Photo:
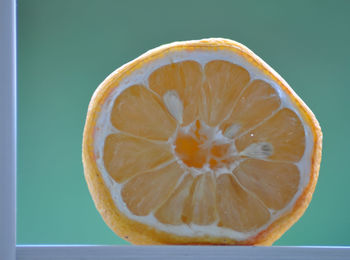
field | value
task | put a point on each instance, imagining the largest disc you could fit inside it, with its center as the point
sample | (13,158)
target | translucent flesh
(186,79)
(125,156)
(137,106)
(146,191)
(274,183)
(203,204)
(172,211)
(237,208)
(224,82)
(257,101)
(221,95)
(284,131)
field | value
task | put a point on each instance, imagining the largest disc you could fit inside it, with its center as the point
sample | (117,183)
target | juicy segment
(140,112)
(223,84)
(238,209)
(226,157)
(173,211)
(258,101)
(283,131)
(186,79)
(274,183)
(146,191)
(125,156)
(203,205)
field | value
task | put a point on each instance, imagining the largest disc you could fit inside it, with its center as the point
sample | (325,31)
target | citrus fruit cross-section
(200,142)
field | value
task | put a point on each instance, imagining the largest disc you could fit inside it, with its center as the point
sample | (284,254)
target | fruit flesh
(240,198)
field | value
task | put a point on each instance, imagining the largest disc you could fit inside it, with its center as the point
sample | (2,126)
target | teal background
(66,48)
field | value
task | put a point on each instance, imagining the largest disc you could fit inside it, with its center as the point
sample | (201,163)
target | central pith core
(205,147)
(201,146)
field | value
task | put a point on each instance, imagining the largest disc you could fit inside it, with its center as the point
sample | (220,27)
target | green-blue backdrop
(66,48)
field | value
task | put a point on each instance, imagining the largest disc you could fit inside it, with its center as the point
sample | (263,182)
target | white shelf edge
(60,252)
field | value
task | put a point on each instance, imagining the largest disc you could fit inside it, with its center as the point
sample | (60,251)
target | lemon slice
(200,142)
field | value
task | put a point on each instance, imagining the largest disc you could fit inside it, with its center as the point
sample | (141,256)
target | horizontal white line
(53,252)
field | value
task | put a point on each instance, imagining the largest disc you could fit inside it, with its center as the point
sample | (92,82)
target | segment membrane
(257,102)
(237,208)
(224,82)
(140,112)
(203,200)
(125,156)
(284,131)
(171,212)
(147,191)
(186,79)
(273,182)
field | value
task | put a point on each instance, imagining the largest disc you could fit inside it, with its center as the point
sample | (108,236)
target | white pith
(174,105)
(140,76)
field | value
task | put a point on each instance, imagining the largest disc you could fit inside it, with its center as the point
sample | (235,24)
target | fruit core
(203,147)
